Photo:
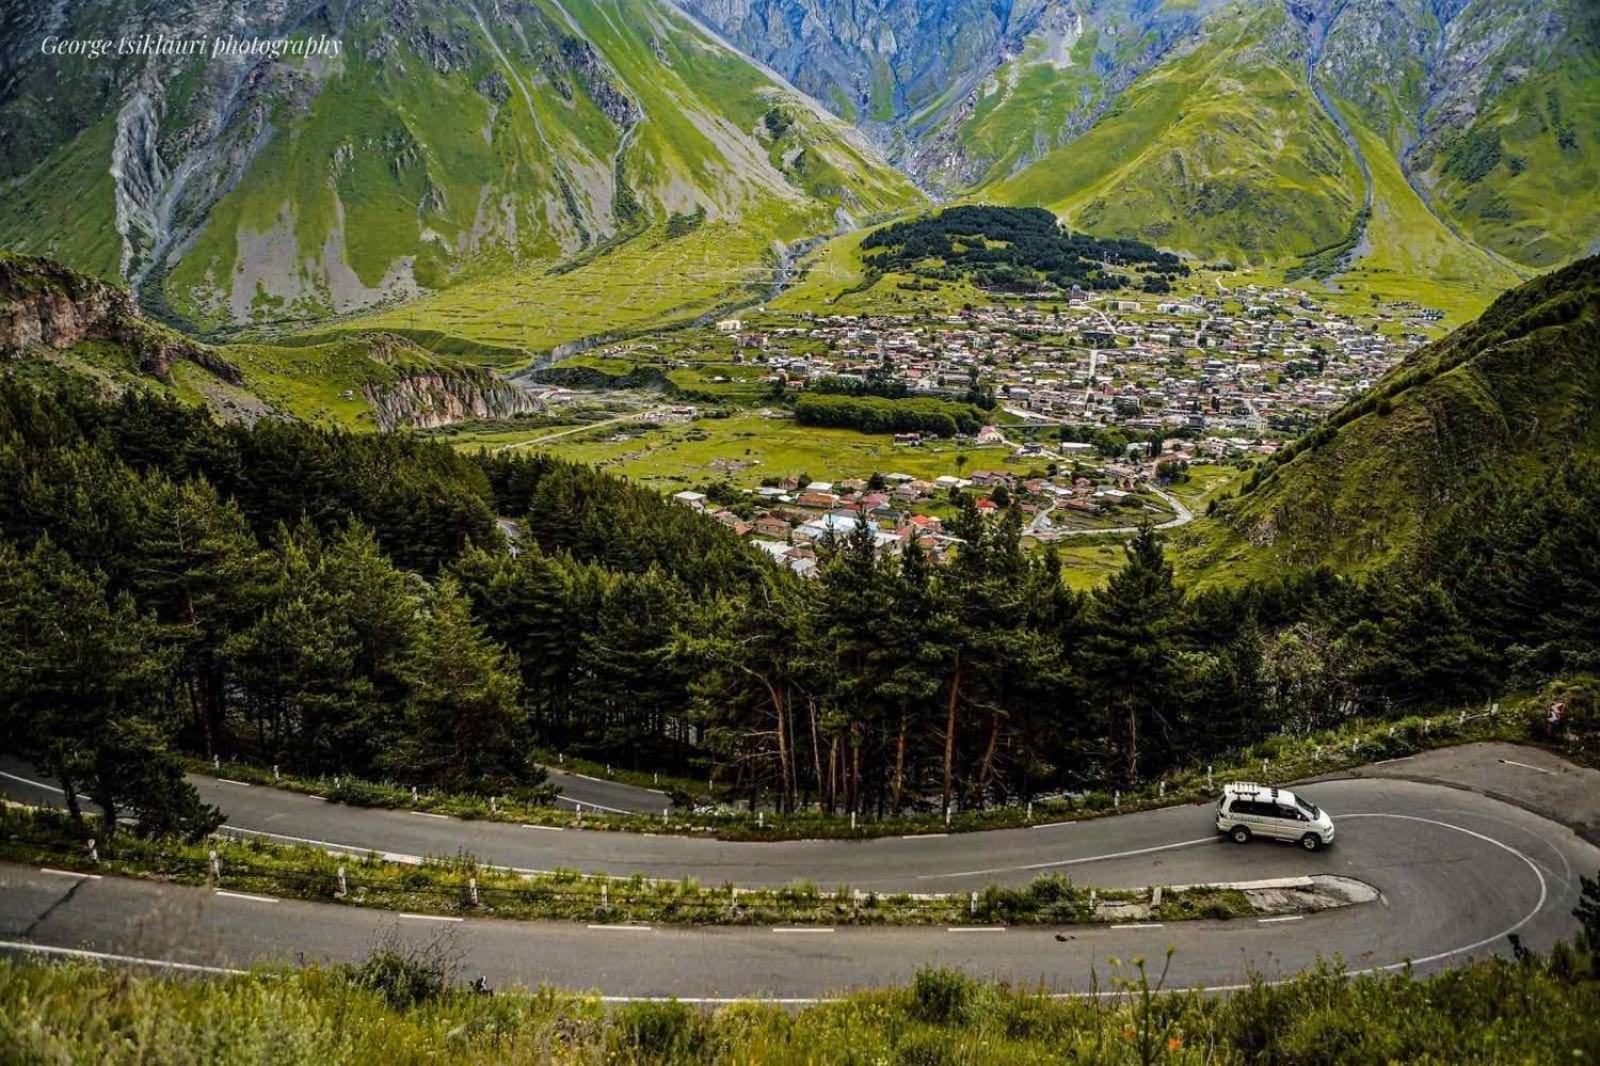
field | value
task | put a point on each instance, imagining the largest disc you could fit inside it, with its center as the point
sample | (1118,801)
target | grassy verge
(1278,759)
(397,1009)
(461,885)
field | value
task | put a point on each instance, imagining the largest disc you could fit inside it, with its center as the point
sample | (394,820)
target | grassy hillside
(1521,178)
(1502,404)
(447,145)
(1222,151)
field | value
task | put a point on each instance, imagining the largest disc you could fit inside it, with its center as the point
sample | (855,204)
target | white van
(1249,810)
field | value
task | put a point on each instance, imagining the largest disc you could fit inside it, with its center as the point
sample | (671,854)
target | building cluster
(1242,363)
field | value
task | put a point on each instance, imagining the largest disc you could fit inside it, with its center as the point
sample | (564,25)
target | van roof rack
(1251,786)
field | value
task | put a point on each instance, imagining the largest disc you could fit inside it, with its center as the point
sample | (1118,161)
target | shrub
(405,975)
(664,1031)
(941,996)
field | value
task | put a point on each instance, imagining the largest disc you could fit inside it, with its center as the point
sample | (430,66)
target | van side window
(1287,812)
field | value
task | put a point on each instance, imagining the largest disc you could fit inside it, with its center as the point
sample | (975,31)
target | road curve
(1458,872)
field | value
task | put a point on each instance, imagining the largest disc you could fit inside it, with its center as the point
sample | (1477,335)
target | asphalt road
(1457,872)
(593,793)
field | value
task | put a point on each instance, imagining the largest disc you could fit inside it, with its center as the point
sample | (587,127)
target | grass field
(680,455)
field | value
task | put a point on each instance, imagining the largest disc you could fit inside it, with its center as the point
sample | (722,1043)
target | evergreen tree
(461,710)
(1130,655)
(82,684)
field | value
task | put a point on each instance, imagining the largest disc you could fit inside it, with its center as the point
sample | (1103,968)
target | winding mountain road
(1458,872)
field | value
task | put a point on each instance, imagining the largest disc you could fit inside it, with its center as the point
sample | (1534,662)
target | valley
(714,501)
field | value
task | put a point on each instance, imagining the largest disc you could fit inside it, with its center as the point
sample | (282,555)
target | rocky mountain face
(44,305)
(445,137)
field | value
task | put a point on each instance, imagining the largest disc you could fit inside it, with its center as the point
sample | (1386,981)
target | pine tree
(461,711)
(1130,653)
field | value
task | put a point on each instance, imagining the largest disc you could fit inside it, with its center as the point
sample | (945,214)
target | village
(1244,362)
(1093,407)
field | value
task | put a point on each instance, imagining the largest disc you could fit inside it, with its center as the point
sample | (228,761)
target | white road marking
(1284,918)
(351,849)
(591,803)
(38,784)
(1071,862)
(68,873)
(922,836)
(429,917)
(246,895)
(622,928)
(1051,825)
(231,781)
(103,956)
(430,814)
(1544,893)
(551,828)
(1140,925)
(802,929)
(1528,766)
(975,929)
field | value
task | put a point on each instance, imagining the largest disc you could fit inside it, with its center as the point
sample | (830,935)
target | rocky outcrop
(427,399)
(45,305)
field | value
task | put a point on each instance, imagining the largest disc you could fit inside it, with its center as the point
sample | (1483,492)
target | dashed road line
(68,873)
(802,929)
(1052,825)
(1280,918)
(922,836)
(231,781)
(620,928)
(975,929)
(1141,925)
(430,814)
(429,917)
(551,828)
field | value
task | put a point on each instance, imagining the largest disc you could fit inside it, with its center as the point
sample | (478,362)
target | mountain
(1495,422)
(447,140)
(1407,137)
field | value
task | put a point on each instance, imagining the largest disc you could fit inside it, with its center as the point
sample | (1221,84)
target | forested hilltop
(1013,248)
(385,607)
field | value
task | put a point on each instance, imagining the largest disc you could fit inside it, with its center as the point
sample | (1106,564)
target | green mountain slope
(1505,404)
(1222,151)
(446,141)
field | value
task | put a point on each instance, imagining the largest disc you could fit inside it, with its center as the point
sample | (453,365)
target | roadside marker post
(275,777)
(216,866)
(472,890)
(1116,799)
(216,762)
(1208,777)
(494,808)
(973,905)
(1161,790)
(344,887)
(1030,810)
(94,852)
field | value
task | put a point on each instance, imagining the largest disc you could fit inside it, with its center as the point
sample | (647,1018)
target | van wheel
(1311,842)
(1240,835)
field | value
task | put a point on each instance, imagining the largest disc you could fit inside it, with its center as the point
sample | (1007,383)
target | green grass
(66,208)
(406,1006)
(677,455)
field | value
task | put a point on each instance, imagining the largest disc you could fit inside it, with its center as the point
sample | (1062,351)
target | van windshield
(1309,807)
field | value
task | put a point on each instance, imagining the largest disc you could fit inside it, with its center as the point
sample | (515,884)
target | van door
(1286,822)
